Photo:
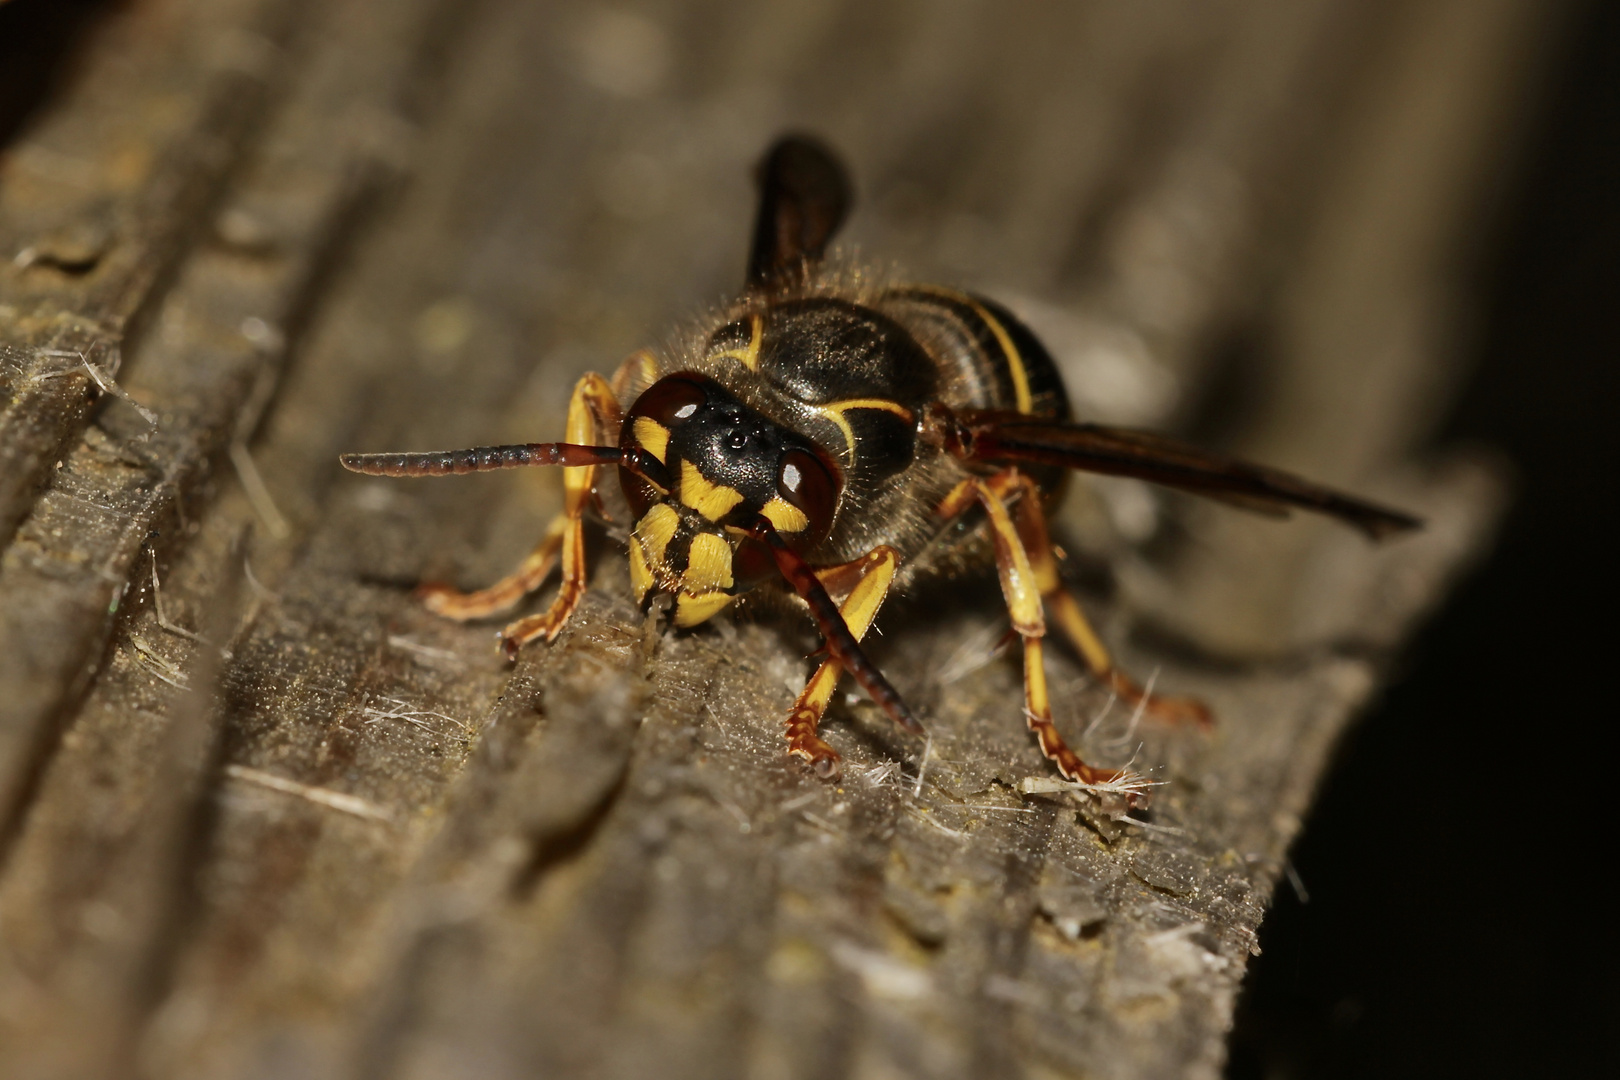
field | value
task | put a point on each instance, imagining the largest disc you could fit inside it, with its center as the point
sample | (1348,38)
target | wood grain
(322,833)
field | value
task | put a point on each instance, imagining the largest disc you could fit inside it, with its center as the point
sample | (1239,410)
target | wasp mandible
(841,437)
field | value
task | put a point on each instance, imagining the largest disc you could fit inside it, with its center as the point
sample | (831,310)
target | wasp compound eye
(671,400)
(665,407)
(806,484)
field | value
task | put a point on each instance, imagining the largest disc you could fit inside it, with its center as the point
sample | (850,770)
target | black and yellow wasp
(840,437)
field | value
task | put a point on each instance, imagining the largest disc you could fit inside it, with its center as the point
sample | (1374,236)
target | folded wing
(1014,437)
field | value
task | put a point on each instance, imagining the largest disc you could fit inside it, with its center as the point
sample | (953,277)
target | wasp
(837,438)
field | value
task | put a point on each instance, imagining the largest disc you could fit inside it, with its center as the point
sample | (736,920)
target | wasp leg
(593,412)
(1021,588)
(1065,611)
(504,594)
(636,374)
(592,409)
(873,574)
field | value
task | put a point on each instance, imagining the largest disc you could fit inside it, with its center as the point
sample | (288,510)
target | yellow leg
(505,593)
(875,572)
(1021,587)
(593,416)
(1065,612)
(639,371)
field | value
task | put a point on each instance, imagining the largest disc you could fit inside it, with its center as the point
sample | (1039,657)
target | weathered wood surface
(342,838)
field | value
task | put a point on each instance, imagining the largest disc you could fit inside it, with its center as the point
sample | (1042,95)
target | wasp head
(722,463)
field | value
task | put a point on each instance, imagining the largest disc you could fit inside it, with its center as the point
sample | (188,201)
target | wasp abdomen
(988,359)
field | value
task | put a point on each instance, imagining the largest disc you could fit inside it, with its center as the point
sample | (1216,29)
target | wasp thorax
(716,463)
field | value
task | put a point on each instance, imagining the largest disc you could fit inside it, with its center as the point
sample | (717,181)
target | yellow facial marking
(709,499)
(785,516)
(691,610)
(655,530)
(708,566)
(749,357)
(835,410)
(653,436)
(641,579)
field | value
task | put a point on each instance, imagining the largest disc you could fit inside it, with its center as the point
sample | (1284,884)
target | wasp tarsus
(818,438)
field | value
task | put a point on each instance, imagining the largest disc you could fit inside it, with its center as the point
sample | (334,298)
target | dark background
(1458,920)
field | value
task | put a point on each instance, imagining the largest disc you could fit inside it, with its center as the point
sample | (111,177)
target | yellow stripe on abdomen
(1016,370)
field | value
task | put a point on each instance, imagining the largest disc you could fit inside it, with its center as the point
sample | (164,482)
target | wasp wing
(804,197)
(1014,437)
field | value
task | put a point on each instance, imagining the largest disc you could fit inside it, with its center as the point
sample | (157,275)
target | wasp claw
(827,768)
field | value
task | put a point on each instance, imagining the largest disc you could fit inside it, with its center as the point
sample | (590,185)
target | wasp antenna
(479,459)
